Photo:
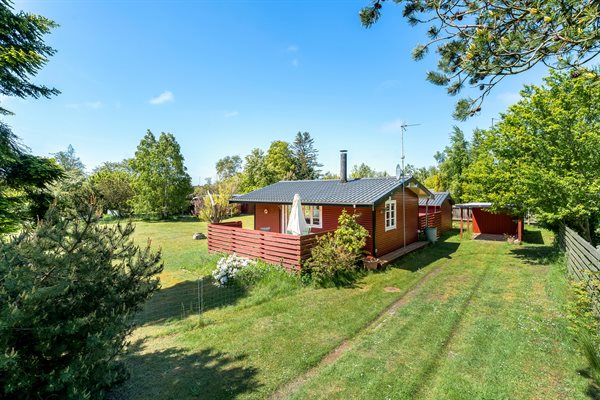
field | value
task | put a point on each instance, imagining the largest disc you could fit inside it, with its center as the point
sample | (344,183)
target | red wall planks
(486,222)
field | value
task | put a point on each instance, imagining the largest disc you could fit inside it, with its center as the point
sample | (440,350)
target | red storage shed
(486,222)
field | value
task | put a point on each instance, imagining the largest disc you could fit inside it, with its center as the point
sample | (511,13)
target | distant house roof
(355,192)
(473,205)
(439,199)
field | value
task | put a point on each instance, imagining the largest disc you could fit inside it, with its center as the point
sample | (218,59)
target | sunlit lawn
(488,325)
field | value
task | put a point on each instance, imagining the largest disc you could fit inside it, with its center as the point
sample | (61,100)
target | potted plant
(371,262)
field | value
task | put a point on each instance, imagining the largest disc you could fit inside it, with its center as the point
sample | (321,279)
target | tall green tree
(544,155)
(228,166)
(279,161)
(480,42)
(455,161)
(364,171)
(69,161)
(113,184)
(256,173)
(74,176)
(305,155)
(160,180)
(23,177)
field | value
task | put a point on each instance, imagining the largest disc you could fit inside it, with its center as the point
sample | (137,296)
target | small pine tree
(68,292)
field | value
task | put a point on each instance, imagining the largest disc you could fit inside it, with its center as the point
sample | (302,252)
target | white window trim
(385,219)
(320,224)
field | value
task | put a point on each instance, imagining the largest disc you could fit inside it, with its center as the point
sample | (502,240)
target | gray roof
(440,197)
(355,192)
(473,205)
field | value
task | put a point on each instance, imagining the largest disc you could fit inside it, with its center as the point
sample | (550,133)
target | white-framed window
(390,215)
(313,216)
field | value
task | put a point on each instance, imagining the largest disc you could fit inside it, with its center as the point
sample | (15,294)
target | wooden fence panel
(583,261)
(434,220)
(275,248)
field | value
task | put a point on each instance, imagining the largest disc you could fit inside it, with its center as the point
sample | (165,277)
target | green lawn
(184,257)
(485,321)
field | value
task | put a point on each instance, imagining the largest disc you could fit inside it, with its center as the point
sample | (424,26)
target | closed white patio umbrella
(296,222)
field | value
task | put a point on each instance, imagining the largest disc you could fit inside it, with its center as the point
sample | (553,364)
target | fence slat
(583,261)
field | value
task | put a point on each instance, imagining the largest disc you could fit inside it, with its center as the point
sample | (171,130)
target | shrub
(228,267)
(68,291)
(335,257)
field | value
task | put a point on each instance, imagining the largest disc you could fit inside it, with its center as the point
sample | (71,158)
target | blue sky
(227,76)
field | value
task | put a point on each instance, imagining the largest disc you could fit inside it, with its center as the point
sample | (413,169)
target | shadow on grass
(592,390)
(174,373)
(537,255)
(423,257)
(533,237)
(187,298)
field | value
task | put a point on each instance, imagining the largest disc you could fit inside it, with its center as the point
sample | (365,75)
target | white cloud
(164,97)
(292,48)
(295,62)
(231,114)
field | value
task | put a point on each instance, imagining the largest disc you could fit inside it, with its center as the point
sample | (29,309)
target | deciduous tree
(160,180)
(113,184)
(544,154)
(228,166)
(279,161)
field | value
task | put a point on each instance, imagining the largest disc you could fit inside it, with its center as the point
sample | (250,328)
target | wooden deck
(396,254)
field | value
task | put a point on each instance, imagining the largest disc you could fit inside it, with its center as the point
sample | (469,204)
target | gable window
(390,215)
(313,216)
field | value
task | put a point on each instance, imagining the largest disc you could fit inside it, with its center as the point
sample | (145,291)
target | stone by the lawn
(198,236)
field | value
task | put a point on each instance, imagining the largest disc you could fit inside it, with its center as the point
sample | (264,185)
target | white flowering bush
(228,267)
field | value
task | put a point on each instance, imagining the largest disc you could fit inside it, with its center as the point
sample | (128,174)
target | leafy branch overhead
(479,43)
(23,53)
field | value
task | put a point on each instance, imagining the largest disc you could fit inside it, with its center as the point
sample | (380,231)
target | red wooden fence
(271,247)
(434,220)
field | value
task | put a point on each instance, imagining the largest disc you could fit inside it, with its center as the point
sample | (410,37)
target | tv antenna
(403,127)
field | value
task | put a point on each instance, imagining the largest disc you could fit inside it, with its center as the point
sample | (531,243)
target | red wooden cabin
(438,211)
(388,209)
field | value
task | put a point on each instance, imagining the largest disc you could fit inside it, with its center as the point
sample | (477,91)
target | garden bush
(228,267)
(68,292)
(335,258)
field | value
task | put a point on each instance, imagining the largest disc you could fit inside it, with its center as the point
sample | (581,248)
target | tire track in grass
(423,379)
(291,387)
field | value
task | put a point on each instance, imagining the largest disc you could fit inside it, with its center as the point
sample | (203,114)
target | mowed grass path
(486,324)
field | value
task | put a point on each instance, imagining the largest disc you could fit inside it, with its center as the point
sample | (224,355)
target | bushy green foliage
(215,203)
(113,184)
(24,181)
(334,259)
(160,179)
(544,154)
(68,292)
(364,171)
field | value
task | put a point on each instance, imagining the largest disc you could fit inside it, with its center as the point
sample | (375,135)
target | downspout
(374,217)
